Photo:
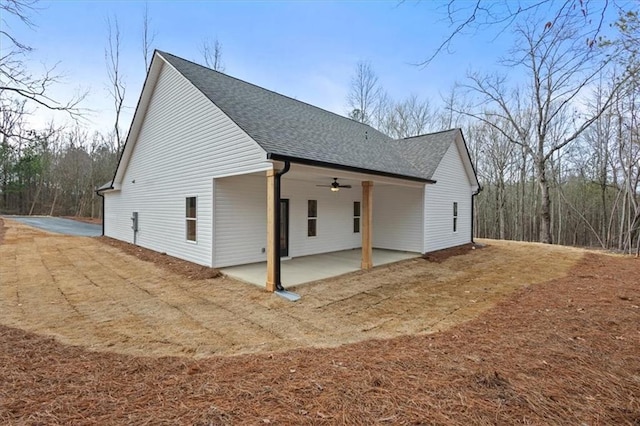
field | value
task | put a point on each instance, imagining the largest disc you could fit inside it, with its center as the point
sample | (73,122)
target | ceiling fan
(335,186)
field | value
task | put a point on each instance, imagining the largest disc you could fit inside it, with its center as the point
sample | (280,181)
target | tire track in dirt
(199,312)
(254,319)
(148,307)
(133,306)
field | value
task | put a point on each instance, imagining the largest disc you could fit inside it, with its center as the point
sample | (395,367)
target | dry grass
(560,352)
(86,293)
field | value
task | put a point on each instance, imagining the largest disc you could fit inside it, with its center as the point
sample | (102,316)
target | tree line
(53,171)
(557,149)
(554,136)
(56,170)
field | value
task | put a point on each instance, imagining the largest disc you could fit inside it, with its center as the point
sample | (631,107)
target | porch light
(335,189)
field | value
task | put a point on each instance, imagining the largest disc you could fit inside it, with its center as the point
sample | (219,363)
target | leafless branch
(148,37)
(117,88)
(212,54)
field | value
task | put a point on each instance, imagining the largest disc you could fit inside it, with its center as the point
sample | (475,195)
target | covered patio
(305,269)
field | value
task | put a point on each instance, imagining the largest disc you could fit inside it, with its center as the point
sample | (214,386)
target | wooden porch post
(271,253)
(367,225)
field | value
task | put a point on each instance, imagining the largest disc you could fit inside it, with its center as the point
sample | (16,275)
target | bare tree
(117,87)
(502,15)
(560,68)
(628,25)
(148,37)
(16,80)
(499,157)
(211,51)
(364,93)
(410,117)
(383,114)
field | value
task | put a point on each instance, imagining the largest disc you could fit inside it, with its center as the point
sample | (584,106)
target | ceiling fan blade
(345,186)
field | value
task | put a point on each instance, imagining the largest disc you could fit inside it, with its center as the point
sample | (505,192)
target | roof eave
(328,165)
(468,162)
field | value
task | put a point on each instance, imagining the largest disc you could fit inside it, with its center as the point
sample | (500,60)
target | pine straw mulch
(181,267)
(562,352)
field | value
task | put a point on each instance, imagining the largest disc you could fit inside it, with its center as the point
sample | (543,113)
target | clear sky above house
(306,49)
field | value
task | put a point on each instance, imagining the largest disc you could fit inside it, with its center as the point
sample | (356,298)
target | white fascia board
(463,151)
(109,190)
(138,117)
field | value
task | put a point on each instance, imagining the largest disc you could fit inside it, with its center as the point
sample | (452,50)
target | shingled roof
(425,152)
(290,129)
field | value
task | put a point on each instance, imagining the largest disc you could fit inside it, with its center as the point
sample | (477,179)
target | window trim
(357,217)
(313,218)
(455,217)
(193,219)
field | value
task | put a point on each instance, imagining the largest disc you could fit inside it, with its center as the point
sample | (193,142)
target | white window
(312,218)
(191,209)
(356,217)
(455,217)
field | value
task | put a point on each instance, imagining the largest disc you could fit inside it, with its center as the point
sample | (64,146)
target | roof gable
(286,127)
(426,152)
(136,123)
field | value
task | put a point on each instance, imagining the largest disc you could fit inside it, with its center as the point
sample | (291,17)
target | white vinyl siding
(397,218)
(334,224)
(183,141)
(452,186)
(240,220)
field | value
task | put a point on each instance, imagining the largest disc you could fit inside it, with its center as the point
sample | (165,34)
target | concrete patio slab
(305,269)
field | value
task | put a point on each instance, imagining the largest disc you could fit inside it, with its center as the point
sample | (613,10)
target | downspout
(473,212)
(276,225)
(102,196)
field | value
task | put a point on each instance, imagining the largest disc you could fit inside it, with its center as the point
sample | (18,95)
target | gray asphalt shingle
(287,127)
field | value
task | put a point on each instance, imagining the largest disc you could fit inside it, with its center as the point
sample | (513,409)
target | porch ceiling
(316,267)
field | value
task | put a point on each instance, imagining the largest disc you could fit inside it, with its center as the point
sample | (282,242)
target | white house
(221,172)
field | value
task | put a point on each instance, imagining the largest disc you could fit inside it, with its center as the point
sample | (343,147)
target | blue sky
(303,49)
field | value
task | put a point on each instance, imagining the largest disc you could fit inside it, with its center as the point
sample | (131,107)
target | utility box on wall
(134,220)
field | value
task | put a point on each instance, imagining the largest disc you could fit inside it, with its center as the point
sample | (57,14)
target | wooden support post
(271,214)
(367,225)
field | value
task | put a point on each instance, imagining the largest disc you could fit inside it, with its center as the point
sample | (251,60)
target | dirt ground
(561,351)
(86,293)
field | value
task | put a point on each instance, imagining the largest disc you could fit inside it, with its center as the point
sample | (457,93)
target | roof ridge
(272,91)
